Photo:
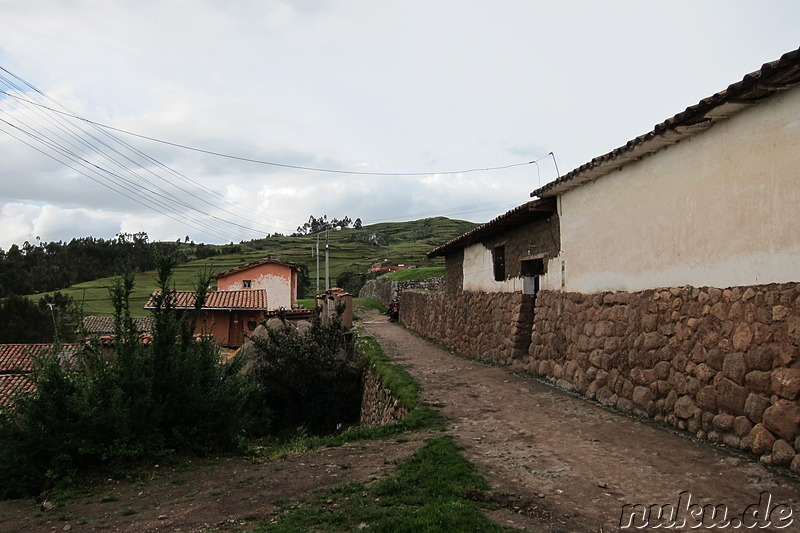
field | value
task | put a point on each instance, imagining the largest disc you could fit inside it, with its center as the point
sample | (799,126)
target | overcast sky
(429,87)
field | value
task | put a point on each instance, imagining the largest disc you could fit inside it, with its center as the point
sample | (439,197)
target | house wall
(717,209)
(279,280)
(217,324)
(534,239)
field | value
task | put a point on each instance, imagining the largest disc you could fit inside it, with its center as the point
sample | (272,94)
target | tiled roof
(245,299)
(17,357)
(13,384)
(255,264)
(772,78)
(104,325)
(533,210)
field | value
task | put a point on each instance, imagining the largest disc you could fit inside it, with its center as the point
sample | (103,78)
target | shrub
(141,400)
(308,379)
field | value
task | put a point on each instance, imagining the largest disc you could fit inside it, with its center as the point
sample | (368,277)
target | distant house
(277,277)
(507,254)
(103,326)
(226,315)
(16,366)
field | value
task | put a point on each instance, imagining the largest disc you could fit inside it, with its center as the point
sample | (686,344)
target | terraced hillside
(350,250)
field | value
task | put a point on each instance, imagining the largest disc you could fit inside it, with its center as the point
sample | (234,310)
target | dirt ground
(555,462)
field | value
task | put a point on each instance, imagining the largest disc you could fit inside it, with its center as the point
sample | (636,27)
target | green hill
(350,250)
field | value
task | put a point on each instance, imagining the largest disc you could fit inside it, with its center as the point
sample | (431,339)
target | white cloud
(384,87)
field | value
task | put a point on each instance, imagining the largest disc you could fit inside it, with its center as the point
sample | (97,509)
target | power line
(273,163)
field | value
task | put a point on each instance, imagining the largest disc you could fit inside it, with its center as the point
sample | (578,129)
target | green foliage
(23,321)
(427,493)
(51,266)
(414,274)
(346,255)
(307,379)
(351,281)
(115,409)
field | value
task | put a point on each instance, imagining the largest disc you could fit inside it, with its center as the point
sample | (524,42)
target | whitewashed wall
(719,209)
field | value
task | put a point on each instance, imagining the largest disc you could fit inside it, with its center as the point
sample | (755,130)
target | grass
(407,243)
(427,493)
(416,274)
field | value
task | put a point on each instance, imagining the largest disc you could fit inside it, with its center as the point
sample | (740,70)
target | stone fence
(722,364)
(492,326)
(384,290)
(378,405)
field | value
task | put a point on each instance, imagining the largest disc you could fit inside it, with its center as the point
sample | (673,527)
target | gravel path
(579,463)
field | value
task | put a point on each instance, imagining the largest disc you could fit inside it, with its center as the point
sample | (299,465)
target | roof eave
(776,76)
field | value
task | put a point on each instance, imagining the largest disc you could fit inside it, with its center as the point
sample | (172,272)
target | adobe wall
(480,325)
(723,364)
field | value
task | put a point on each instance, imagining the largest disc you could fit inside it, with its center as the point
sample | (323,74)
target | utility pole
(55,327)
(317,254)
(327,275)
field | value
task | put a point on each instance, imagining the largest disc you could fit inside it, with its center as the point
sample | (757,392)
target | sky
(188,118)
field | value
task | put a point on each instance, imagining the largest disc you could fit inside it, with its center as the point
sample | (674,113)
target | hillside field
(350,250)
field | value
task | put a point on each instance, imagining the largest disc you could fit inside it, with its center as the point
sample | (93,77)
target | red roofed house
(277,277)
(226,315)
(15,366)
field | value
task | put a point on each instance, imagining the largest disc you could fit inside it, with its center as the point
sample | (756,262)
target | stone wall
(480,325)
(378,405)
(722,364)
(384,290)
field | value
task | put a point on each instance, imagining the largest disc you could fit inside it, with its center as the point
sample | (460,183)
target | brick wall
(722,364)
(480,325)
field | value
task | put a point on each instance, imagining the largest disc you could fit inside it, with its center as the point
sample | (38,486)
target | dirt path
(575,460)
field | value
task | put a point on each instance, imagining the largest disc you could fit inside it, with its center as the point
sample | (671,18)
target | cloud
(25,222)
(410,86)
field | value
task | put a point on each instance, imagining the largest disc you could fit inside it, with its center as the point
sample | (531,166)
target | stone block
(734,367)
(758,381)
(642,396)
(731,397)
(754,407)
(707,398)
(782,452)
(686,408)
(761,358)
(723,422)
(760,440)
(742,426)
(786,382)
(783,419)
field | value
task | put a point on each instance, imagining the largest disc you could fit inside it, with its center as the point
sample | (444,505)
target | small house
(278,278)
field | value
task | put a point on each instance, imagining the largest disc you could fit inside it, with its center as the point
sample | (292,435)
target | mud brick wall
(494,326)
(378,405)
(722,364)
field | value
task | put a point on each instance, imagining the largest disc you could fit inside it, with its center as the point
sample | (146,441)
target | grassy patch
(415,274)
(408,242)
(427,493)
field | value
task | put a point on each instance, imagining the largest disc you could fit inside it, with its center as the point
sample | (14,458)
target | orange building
(226,315)
(277,277)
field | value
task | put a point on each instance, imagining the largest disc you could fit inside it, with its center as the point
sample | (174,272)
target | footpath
(575,466)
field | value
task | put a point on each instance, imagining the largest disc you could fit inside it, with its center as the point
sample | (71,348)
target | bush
(310,380)
(141,400)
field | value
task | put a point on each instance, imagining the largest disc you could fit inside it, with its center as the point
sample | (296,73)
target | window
(499,262)
(532,267)
(247,284)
